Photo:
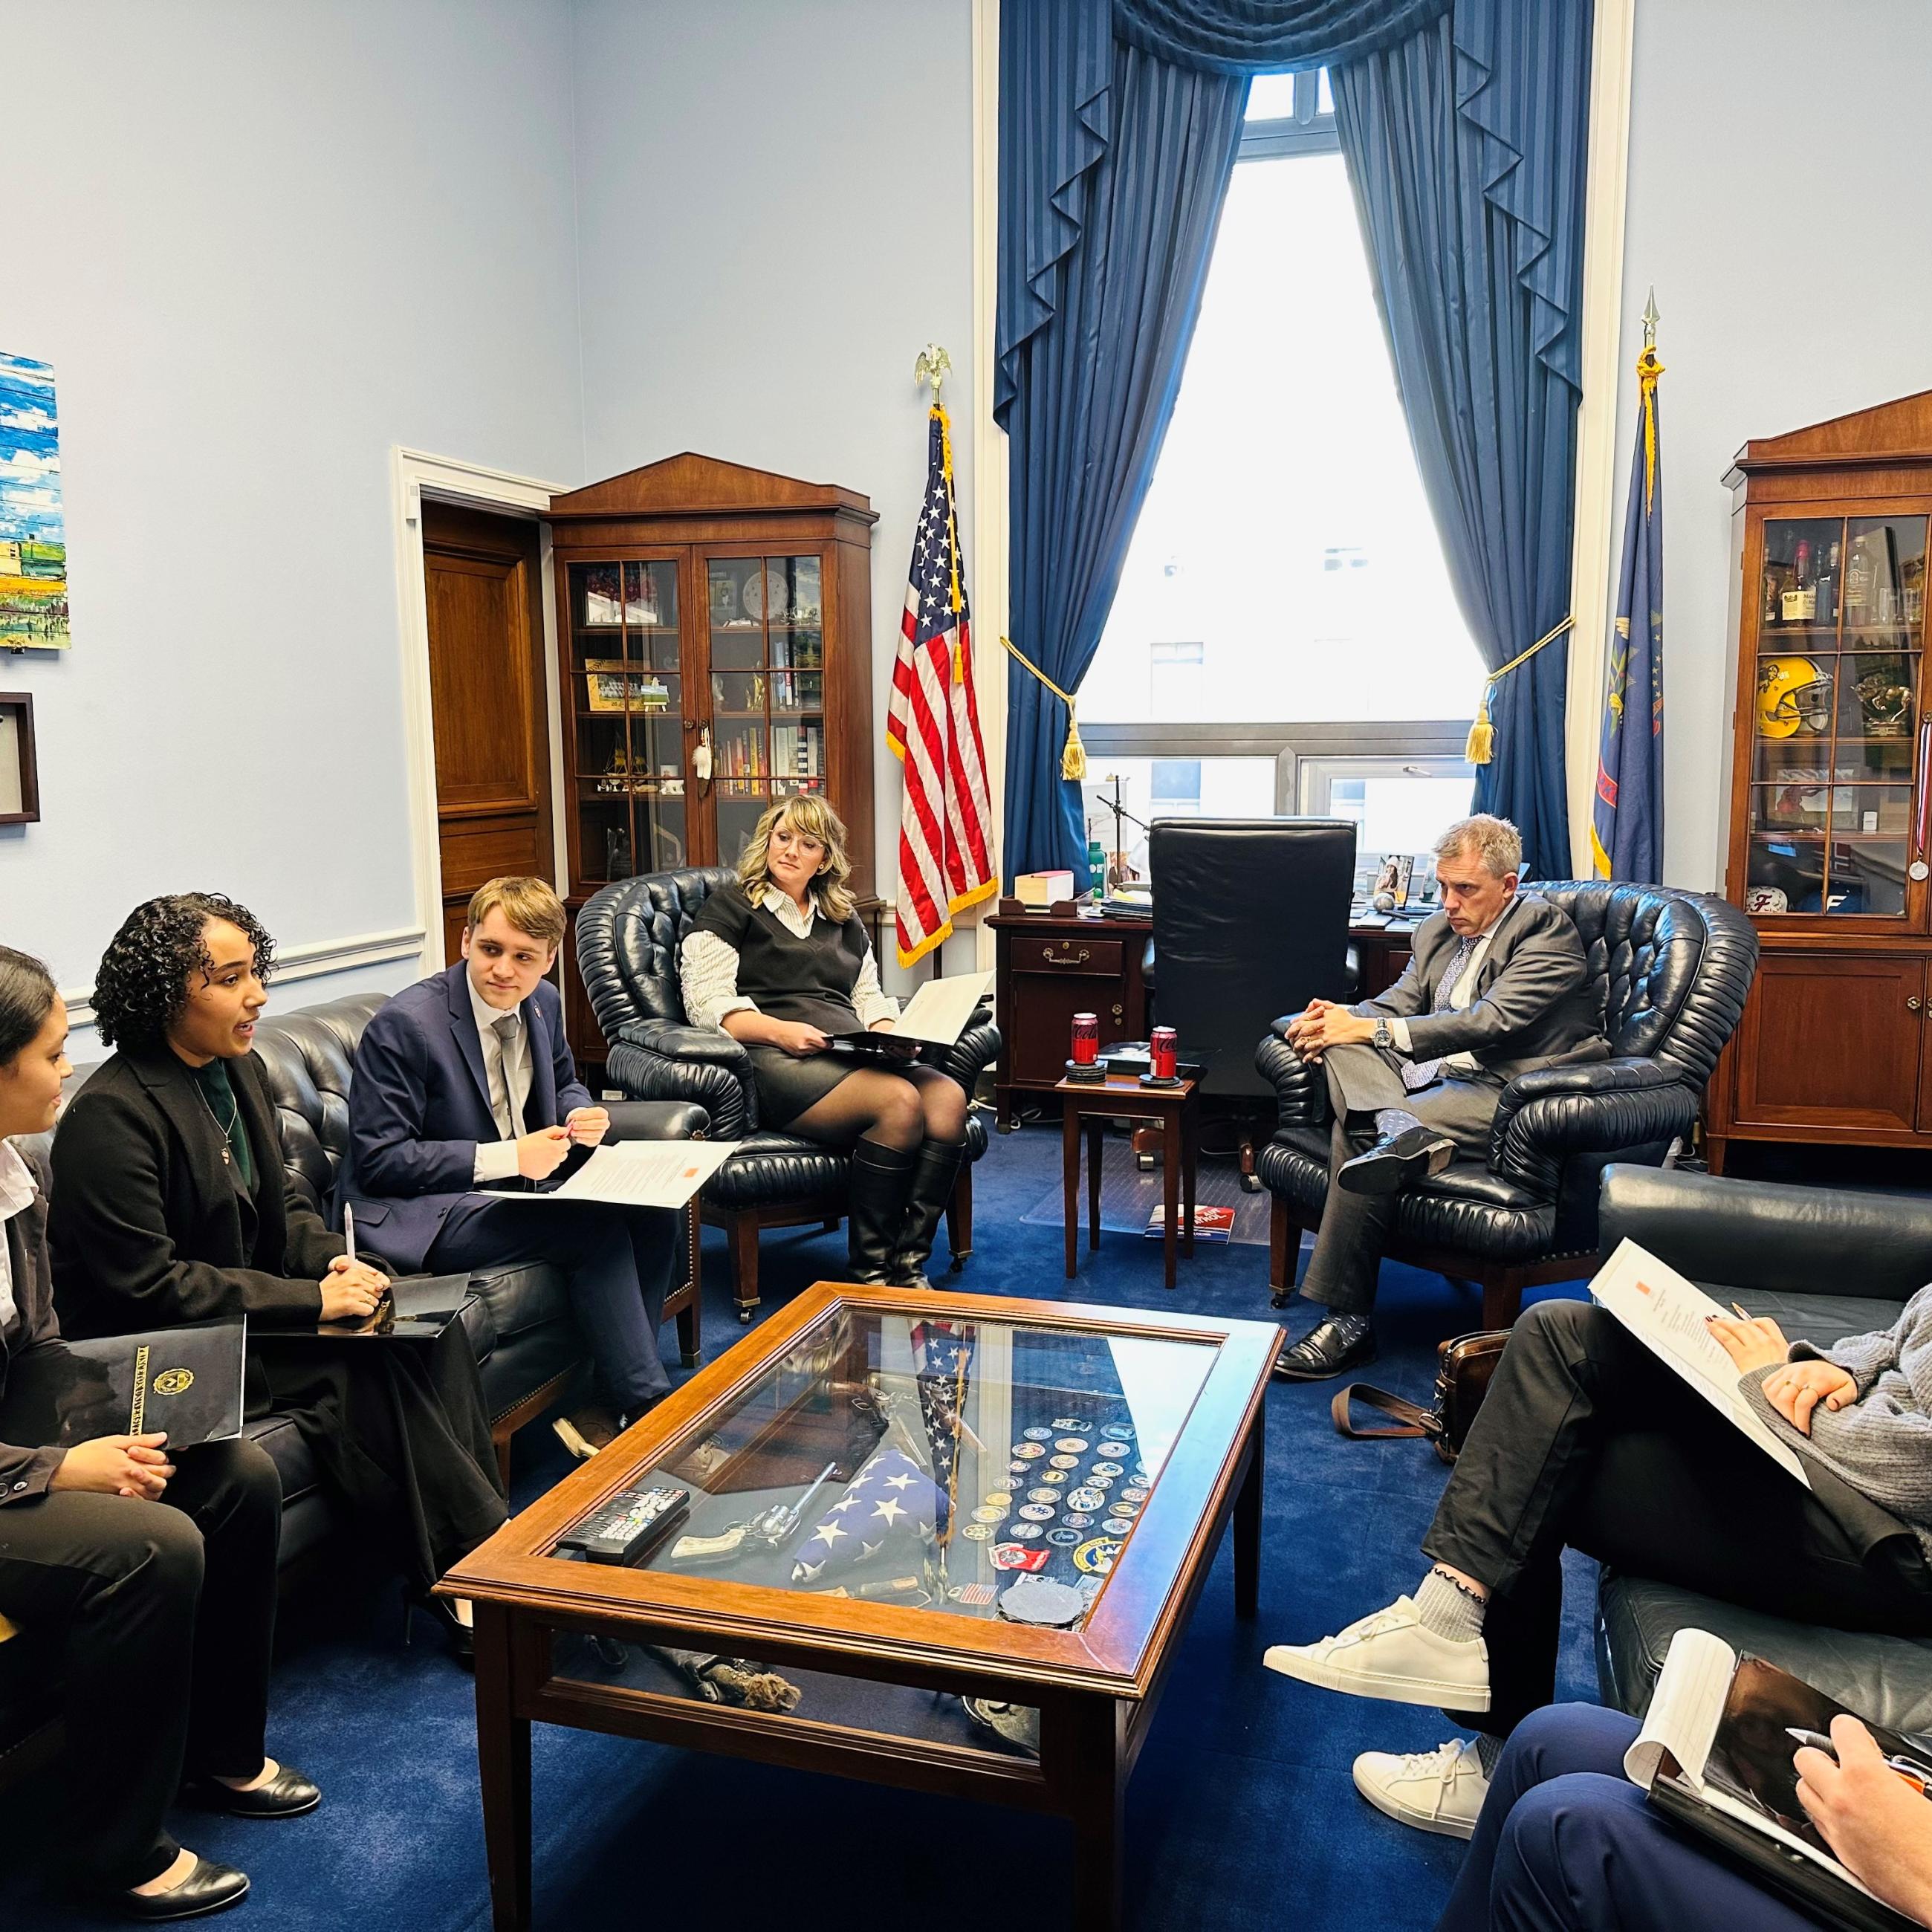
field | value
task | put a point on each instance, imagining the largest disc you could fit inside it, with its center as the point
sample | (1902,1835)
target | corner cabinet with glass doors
(1828,794)
(714,631)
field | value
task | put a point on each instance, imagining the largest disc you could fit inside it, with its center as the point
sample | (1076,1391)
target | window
(1286,535)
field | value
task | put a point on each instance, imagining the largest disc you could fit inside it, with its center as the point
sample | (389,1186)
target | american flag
(942,1356)
(946,860)
(891,1496)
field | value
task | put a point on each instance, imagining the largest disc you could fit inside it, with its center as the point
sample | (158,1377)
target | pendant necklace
(228,1131)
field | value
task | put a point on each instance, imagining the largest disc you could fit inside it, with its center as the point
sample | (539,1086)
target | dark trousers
(165,1614)
(1362,1079)
(618,1262)
(1585,1439)
(1567,1844)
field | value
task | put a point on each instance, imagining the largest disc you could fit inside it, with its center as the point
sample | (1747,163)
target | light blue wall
(261,244)
(1777,181)
(774,215)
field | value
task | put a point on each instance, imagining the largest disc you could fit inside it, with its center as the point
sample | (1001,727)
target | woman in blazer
(171,1203)
(153,1580)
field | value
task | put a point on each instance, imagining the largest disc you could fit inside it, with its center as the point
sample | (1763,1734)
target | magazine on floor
(1210,1224)
(1669,1315)
(1715,1753)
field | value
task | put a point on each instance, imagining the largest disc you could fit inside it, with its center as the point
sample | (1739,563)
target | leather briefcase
(1464,1366)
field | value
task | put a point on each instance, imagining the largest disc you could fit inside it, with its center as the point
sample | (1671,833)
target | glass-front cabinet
(714,627)
(1829,811)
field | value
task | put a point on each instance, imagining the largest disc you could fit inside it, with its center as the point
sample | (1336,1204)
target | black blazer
(150,1226)
(26,1473)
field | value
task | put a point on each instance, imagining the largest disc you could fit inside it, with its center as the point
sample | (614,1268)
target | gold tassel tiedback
(1073,755)
(1481,746)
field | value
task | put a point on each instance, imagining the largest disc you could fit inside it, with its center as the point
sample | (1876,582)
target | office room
(923,972)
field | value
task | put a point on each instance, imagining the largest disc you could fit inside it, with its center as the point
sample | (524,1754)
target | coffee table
(968,1444)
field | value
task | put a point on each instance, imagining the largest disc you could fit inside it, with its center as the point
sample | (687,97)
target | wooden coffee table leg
(503,1760)
(1248,1523)
(1170,1185)
(1096,1150)
(1069,1169)
(1098,1809)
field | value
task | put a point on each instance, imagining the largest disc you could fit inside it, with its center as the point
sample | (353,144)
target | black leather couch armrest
(973,1052)
(1764,1235)
(1301,1091)
(703,1067)
(656,1120)
(1591,1106)
(677,1040)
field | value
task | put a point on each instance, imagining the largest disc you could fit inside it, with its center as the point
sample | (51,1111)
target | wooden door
(488,701)
(1832,1044)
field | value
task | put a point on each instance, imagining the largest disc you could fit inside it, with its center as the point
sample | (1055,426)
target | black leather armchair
(628,936)
(1672,969)
(1782,1252)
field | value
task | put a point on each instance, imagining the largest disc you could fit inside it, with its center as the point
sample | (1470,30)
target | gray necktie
(1416,1074)
(511,1121)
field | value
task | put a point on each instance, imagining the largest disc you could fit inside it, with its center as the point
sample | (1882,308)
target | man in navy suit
(464,1083)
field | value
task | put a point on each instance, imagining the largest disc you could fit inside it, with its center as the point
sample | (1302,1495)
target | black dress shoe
(287,1794)
(1331,1347)
(208,1888)
(1396,1160)
(457,1634)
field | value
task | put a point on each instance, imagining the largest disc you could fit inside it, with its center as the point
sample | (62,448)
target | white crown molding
(314,961)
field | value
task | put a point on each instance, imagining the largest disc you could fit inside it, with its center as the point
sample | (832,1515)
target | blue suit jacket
(419,1104)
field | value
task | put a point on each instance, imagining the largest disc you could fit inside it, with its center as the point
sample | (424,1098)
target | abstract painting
(33,535)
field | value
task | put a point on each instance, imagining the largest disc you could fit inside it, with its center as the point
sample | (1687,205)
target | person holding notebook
(781,962)
(153,1580)
(1587,1440)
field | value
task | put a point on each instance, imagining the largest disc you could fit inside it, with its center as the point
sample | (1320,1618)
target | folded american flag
(891,1498)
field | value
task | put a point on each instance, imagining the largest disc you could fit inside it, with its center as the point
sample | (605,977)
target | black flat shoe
(208,1888)
(1331,1347)
(1397,1160)
(287,1794)
(456,1633)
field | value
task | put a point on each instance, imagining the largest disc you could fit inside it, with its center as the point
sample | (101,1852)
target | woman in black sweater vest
(780,961)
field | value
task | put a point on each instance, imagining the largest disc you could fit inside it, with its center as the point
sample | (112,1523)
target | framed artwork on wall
(20,773)
(33,532)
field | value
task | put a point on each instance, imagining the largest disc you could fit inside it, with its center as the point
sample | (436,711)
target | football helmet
(1793,695)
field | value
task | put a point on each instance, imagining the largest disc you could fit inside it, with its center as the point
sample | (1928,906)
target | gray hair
(1495,840)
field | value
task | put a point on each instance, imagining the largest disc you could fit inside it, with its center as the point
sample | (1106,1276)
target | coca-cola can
(1164,1048)
(1086,1039)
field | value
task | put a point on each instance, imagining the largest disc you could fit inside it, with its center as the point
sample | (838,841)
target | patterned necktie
(511,1121)
(1416,1074)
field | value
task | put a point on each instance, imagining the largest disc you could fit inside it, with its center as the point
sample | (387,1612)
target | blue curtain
(1466,146)
(1113,167)
(1248,36)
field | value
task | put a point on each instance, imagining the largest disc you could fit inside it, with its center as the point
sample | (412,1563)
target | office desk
(1054,964)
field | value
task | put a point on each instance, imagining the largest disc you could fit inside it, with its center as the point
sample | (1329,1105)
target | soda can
(1164,1050)
(1086,1039)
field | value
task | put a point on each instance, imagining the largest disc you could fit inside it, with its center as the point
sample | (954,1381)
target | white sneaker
(1389,1655)
(1440,1790)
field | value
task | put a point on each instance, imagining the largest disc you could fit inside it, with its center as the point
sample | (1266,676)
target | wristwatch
(1384,1038)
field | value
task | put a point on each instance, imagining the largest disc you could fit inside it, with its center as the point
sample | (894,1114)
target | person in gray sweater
(1586,1440)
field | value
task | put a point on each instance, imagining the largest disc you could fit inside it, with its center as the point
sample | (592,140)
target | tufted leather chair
(628,936)
(1672,969)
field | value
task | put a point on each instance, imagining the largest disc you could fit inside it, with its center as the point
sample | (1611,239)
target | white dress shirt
(508,1072)
(1461,996)
(707,970)
(17,1193)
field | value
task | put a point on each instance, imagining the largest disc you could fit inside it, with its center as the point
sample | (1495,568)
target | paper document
(640,1174)
(1667,1314)
(939,1012)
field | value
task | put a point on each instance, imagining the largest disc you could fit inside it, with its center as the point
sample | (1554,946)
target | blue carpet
(1240,1814)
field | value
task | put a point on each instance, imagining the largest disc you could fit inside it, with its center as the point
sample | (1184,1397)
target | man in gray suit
(1497,986)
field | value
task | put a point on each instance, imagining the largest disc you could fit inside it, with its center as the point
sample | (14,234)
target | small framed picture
(20,771)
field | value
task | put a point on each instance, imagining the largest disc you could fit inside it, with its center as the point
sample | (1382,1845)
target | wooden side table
(1178,1110)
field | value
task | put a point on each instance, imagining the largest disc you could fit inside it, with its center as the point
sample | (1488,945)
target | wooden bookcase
(1827,785)
(703,608)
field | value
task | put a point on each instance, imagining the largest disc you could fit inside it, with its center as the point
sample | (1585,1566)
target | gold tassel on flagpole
(1073,753)
(1481,746)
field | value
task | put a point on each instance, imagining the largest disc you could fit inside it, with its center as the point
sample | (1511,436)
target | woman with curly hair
(781,962)
(149,1572)
(171,1203)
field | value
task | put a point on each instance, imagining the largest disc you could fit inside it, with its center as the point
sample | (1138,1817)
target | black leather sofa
(628,936)
(518,1319)
(1824,1264)
(1672,969)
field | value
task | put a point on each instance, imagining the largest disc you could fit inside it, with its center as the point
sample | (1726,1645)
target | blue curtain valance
(1268,36)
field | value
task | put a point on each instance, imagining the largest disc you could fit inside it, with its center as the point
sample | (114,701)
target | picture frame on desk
(19,765)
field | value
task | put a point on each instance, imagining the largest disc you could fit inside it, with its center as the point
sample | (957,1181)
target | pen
(348,1231)
(1914,1775)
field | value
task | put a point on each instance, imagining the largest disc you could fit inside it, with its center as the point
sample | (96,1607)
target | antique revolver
(768,1530)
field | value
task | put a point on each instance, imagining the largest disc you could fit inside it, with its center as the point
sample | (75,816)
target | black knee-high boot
(933,1177)
(875,1207)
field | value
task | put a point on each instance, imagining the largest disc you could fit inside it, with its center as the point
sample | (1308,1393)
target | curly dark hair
(141,986)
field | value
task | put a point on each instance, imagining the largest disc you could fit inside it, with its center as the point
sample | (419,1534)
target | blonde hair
(531,905)
(1494,840)
(815,819)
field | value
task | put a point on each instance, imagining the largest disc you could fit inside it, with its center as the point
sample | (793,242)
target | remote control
(632,1520)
